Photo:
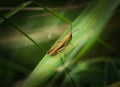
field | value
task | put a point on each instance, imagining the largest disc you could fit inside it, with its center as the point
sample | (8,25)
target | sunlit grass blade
(90,24)
(14,11)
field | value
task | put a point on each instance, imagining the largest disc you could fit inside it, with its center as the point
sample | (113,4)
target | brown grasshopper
(61,44)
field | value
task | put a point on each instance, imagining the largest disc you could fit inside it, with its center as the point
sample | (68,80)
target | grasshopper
(61,44)
(64,42)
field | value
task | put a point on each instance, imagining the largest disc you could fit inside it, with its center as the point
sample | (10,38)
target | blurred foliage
(19,56)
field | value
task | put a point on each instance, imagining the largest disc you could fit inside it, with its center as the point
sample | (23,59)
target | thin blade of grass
(20,30)
(14,11)
(52,12)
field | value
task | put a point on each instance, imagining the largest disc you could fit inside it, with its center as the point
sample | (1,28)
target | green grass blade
(90,24)
(14,11)
(52,12)
(89,62)
(98,23)
(20,30)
